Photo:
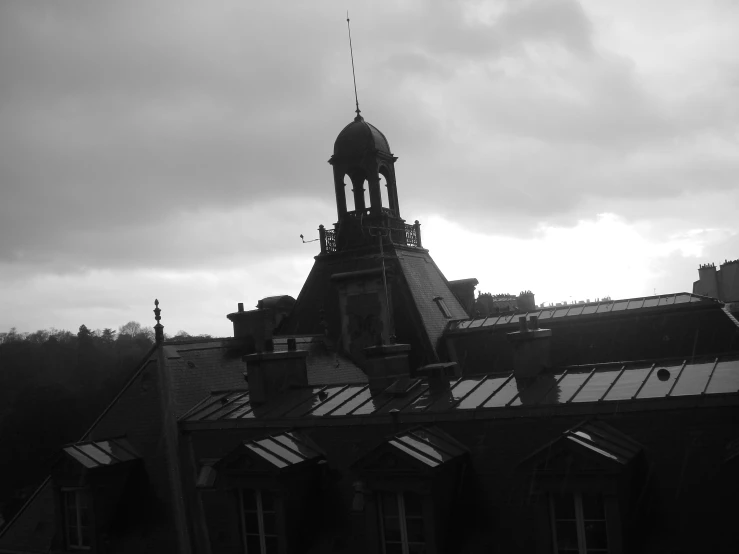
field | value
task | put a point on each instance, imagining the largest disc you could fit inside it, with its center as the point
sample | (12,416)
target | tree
(130,329)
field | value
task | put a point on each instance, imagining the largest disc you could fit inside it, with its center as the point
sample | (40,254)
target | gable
(591,446)
(416,450)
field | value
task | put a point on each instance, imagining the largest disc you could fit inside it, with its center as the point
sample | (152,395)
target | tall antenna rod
(351,52)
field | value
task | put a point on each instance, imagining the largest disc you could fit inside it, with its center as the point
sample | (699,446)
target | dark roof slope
(427,284)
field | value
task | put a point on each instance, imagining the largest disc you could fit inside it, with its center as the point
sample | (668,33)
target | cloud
(180,136)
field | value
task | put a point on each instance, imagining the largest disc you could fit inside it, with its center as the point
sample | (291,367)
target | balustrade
(400,233)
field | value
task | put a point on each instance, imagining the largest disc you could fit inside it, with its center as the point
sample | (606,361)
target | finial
(158,328)
(351,53)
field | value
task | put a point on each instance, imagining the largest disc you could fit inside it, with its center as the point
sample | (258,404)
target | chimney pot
(241,306)
(522,324)
(534,322)
(291,344)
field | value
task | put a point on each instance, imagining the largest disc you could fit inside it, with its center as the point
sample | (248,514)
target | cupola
(362,154)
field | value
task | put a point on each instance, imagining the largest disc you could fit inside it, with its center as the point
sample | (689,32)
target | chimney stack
(255,327)
(438,375)
(385,364)
(272,373)
(531,348)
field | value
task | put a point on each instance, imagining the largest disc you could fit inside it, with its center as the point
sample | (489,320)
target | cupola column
(375,196)
(392,191)
(358,190)
(339,185)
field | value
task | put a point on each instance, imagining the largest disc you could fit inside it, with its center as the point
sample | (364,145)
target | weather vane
(351,53)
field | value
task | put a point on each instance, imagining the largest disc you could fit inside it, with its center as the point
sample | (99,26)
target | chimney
(531,348)
(255,327)
(384,364)
(272,373)
(438,375)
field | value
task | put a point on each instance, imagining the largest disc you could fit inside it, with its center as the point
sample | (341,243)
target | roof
(593,309)
(358,137)
(94,454)
(325,365)
(580,389)
(429,445)
(598,438)
(601,438)
(285,449)
(32,529)
(427,283)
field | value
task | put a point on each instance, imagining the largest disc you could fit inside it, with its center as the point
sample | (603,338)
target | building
(722,283)
(378,413)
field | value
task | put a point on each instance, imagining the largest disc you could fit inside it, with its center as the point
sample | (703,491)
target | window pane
(271,544)
(249,499)
(270,523)
(595,535)
(251,522)
(564,506)
(72,535)
(253,546)
(413,504)
(392,529)
(566,535)
(592,506)
(268,501)
(415,530)
(84,536)
(389,504)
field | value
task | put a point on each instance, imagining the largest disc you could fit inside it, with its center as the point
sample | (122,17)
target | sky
(177,149)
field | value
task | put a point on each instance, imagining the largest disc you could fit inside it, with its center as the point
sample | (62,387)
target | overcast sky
(177,150)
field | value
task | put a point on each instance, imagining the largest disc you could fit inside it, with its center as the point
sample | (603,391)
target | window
(401,523)
(76,518)
(258,521)
(578,523)
(443,307)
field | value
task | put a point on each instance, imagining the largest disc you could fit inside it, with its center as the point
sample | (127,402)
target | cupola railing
(400,233)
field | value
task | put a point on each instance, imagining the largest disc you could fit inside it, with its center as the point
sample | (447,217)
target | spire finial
(158,328)
(354,76)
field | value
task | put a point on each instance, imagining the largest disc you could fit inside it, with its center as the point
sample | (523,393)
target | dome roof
(358,137)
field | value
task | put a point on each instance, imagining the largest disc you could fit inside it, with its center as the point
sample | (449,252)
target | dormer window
(76,518)
(256,498)
(578,522)
(408,481)
(401,522)
(585,484)
(443,307)
(258,520)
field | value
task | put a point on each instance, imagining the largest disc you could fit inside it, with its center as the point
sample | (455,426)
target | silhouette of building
(722,283)
(378,413)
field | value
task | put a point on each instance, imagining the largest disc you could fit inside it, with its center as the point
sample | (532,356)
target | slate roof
(325,365)
(426,282)
(579,388)
(604,308)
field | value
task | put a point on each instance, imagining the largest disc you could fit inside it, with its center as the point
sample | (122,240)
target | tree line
(53,384)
